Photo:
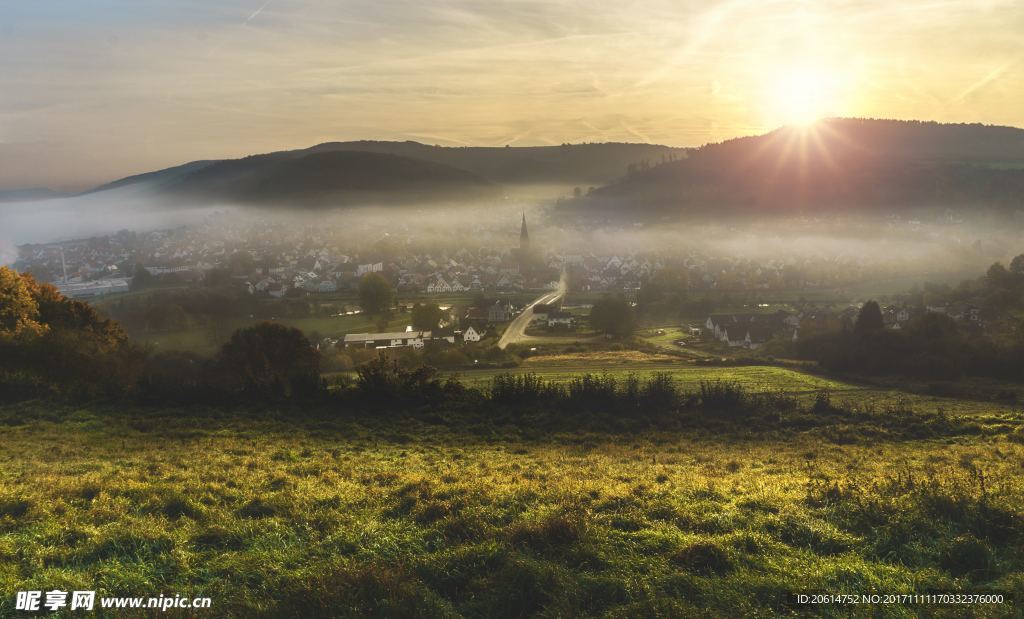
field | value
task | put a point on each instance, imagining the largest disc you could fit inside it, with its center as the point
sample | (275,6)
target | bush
(722,396)
(660,393)
(269,360)
(523,389)
(175,376)
(590,392)
(384,383)
(613,316)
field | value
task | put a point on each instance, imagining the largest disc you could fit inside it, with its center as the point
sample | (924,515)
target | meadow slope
(280,514)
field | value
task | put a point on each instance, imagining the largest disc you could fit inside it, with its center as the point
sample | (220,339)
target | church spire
(524,236)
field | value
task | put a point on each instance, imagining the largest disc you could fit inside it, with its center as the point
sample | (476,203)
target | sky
(94,90)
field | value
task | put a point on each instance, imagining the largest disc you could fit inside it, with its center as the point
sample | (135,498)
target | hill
(835,165)
(388,171)
(568,163)
(328,178)
(156,179)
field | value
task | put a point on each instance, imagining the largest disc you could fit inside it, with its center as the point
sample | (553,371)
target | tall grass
(325,516)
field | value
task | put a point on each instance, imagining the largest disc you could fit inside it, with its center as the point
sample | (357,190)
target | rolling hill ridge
(835,165)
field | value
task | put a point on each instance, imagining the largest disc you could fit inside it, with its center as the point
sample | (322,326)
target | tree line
(931,345)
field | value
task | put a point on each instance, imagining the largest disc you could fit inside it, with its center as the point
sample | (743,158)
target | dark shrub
(523,389)
(269,360)
(384,383)
(660,393)
(722,396)
(175,376)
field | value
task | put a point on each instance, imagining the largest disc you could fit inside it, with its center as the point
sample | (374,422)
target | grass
(276,514)
(665,337)
(563,367)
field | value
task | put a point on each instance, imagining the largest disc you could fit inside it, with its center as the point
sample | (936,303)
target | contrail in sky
(992,76)
(245,22)
(257,12)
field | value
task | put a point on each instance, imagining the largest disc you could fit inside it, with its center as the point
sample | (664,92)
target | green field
(282,515)
(561,368)
(805,386)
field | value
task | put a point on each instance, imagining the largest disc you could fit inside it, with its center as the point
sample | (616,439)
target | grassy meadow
(289,513)
(563,367)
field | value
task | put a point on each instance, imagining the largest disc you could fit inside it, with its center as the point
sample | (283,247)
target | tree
(217,278)
(1017,265)
(650,293)
(19,311)
(62,314)
(74,350)
(613,315)
(241,263)
(426,316)
(869,319)
(270,360)
(997,275)
(375,294)
(142,278)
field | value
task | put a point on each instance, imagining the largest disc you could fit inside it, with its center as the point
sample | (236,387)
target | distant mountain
(29,195)
(836,164)
(344,172)
(328,178)
(157,179)
(567,164)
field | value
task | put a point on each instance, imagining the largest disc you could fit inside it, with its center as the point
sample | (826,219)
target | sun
(802,95)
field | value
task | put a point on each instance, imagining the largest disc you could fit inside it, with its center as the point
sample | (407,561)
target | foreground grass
(320,516)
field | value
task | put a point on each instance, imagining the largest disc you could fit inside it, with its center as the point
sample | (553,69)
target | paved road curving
(516,331)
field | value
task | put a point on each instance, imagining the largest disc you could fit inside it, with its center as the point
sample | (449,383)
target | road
(516,331)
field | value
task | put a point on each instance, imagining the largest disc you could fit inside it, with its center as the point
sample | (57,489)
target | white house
(415,339)
(439,286)
(363,269)
(472,335)
(561,319)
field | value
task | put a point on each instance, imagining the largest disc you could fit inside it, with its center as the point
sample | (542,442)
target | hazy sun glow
(800,96)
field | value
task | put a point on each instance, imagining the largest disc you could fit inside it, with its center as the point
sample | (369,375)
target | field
(561,368)
(289,514)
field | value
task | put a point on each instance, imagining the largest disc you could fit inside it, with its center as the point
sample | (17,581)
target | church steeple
(524,236)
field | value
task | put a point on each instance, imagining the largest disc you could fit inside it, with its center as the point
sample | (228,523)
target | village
(480,286)
(274,261)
